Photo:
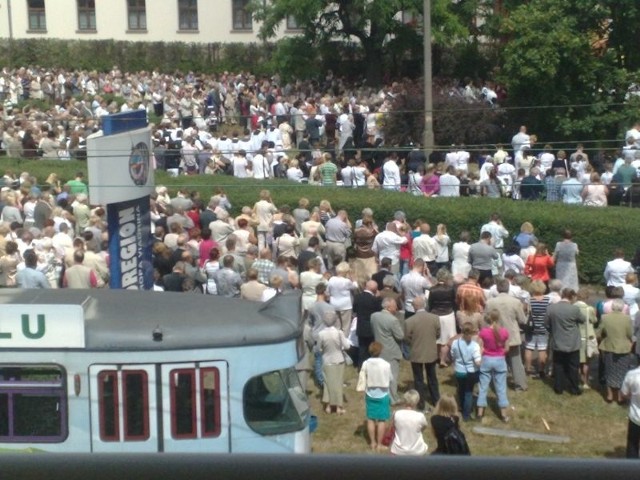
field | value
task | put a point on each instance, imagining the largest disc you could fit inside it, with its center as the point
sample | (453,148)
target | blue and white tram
(116,371)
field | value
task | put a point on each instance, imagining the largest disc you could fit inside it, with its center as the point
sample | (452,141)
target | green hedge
(597,231)
(135,56)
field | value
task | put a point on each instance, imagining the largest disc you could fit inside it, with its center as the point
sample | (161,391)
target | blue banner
(130,243)
(124,122)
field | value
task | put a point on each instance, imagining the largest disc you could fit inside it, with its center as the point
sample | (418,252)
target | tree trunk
(373,59)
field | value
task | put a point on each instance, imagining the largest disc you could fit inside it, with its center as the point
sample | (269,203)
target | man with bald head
(365,304)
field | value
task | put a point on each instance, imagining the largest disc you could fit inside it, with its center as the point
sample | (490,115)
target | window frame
(240,13)
(173,374)
(32,388)
(217,407)
(116,405)
(139,8)
(198,404)
(89,12)
(38,13)
(126,437)
(186,8)
(121,406)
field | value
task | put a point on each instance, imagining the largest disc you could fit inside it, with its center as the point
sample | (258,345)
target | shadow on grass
(617,452)
(361,433)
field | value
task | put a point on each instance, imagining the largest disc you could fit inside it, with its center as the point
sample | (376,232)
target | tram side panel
(241,399)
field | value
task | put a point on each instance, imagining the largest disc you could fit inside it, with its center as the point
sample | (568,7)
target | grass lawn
(596,429)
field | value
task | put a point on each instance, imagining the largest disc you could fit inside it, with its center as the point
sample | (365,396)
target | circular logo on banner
(139,164)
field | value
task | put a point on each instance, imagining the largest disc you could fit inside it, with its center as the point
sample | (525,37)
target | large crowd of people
(492,303)
(495,307)
(321,132)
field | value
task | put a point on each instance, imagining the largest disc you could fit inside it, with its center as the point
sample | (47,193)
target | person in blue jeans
(493,366)
(466,355)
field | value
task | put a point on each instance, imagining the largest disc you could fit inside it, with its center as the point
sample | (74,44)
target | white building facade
(198,21)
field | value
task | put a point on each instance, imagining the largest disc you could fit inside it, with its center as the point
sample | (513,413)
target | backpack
(455,442)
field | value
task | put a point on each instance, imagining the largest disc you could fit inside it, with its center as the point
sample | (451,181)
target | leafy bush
(597,231)
(455,120)
(135,56)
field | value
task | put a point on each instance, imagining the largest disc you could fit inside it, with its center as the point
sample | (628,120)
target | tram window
(136,405)
(4,415)
(210,401)
(28,406)
(109,414)
(33,404)
(185,408)
(275,403)
(134,408)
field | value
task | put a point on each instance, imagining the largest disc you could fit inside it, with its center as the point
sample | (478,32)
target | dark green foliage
(577,53)
(136,56)
(455,120)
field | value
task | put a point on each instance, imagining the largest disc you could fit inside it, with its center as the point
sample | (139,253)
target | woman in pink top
(430,183)
(494,366)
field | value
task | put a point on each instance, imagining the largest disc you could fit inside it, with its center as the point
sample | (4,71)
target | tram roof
(126,320)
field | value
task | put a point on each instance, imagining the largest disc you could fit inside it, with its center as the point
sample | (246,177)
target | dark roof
(126,320)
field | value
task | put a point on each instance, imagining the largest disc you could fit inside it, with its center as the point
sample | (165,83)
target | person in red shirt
(538,266)
(405,250)
(194,214)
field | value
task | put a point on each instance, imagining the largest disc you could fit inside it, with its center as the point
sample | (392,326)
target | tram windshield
(275,403)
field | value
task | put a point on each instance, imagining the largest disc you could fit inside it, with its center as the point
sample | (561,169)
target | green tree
(575,52)
(369,23)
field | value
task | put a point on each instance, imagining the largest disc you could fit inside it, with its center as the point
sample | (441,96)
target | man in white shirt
(616,271)
(463,160)
(633,134)
(546,158)
(450,183)
(387,244)
(631,390)
(507,175)
(520,140)
(451,158)
(263,210)
(346,128)
(241,167)
(260,164)
(498,234)
(497,230)
(425,247)
(391,173)
(414,285)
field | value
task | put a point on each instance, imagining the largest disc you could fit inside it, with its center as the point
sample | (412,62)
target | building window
(37,17)
(292,23)
(195,400)
(134,407)
(137,14)
(86,15)
(242,19)
(33,404)
(411,19)
(188,14)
